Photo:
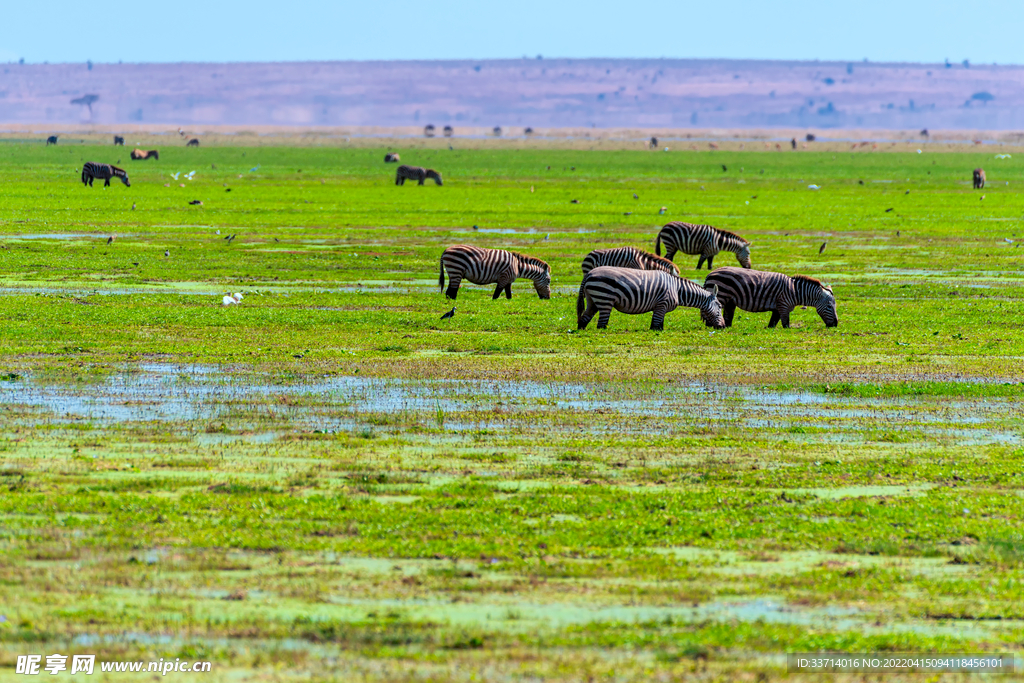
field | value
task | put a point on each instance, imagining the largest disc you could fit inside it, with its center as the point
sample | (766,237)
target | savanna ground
(328,481)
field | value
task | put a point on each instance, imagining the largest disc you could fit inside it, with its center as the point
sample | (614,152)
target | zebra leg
(700,262)
(710,259)
(775,319)
(453,286)
(587,316)
(728,311)
(602,318)
(508,291)
(785,320)
(106,183)
(670,252)
(497,291)
(658,319)
(90,181)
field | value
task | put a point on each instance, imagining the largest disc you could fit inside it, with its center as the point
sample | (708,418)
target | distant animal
(757,291)
(391,158)
(428,130)
(110,239)
(705,240)
(979,178)
(821,249)
(810,137)
(118,140)
(196,202)
(416,173)
(145,154)
(627,257)
(653,144)
(636,196)
(449,131)
(52,140)
(167,252)
(497,131)
(450,314)
(528,131)
(712,145)
(92,170)
(924,132)
(662,210)
(793,142)
(194,142)
(492,266)
(635,292)
(232,299)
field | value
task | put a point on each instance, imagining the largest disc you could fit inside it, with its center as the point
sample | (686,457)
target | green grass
(330,481)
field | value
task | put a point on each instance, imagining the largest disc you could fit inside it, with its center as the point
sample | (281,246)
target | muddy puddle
(262,405)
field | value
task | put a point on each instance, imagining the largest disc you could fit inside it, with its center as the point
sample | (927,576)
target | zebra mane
(732,235)
(659,259)
(807,280)
(530,260)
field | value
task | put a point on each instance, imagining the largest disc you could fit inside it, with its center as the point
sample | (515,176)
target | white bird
(663,210)
(813,187)
(254,169)
(232,299)
(175,175)
(189,175)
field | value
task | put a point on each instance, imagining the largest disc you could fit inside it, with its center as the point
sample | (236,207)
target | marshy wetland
(328,481)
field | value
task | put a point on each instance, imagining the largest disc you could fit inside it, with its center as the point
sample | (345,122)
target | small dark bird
(475,227)
(228,190)
(888,210)
(276,240)
(231,239)
(635,196)
(449,314)
(573,168)
(724,167)
(110,239)
(575,201)
(167,252)
(822,248)
(897,233)
(907,192)
(628,213)
(133,206)
(860,182)
(196,202)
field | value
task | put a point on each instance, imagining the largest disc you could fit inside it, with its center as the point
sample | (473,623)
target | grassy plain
(330,481)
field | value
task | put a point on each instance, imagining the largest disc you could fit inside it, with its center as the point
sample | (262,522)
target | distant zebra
(449,131)
(758,291)
(627,257)
(428,130)
(118,140)
(194,142)
(979,178)
(705,240)
(391,157)
(52,140)
(416,173)
(92,170)
(653,144)
(492,266)
(642,291)
(145,154)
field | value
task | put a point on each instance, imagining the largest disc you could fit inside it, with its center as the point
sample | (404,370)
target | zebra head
(543,283)
(826,307)
(711,311)
(124,179)
(431,173)
(743,255)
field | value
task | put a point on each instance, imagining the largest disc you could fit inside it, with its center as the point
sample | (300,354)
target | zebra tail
(581,300)
(657,245)
(440,278)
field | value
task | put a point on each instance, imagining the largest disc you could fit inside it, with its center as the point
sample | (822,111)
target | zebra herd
(634,282)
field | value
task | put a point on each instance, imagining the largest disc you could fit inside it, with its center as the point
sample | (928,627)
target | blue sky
(259,30)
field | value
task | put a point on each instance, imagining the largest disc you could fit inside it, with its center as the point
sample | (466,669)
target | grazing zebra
(428,130)
(145,154)
(52,140)
(653,144)
(194,142)
(416,173)
(497,131)
(979,178)
(492,266)
(118,140)
(628,257)
(704,240)
(391,157)
(758,291)
(92,170)
(642,291)
(449,131)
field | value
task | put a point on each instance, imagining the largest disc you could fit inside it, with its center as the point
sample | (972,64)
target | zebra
(627,257)
(758,291)
(52,140)
(705,240)
(118,140)
(194,142)
(492,266)
(392,157)
(642,291)
(653,144)
(979,178)
(145,154)
(449,131)
(416,173)
(428,130)
(92,170)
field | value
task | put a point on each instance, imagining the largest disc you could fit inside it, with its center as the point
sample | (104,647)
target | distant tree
(86,100)
(983,96)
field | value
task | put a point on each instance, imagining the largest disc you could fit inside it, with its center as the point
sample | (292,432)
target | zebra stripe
(417,173)
(705,240)
(642,291)
(758,291)
(627,257)
(492,266)
(92,170)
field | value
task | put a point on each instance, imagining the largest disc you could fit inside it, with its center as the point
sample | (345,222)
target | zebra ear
(714,291)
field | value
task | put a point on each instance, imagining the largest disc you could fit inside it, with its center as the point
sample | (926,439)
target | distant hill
(635,93)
